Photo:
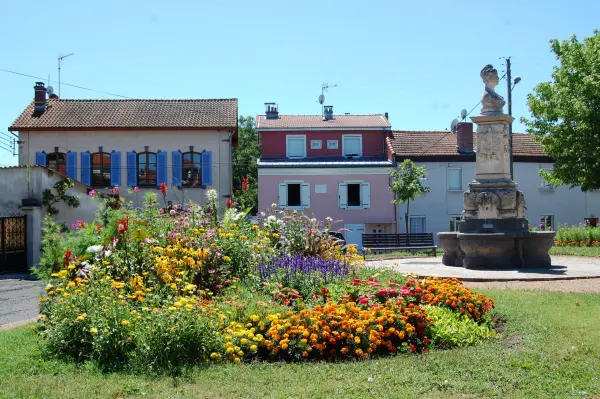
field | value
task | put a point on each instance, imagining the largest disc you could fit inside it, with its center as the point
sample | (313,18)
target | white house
(450,162)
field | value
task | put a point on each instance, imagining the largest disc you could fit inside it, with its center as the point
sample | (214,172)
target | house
(450,161)
(328,165)
(185,144)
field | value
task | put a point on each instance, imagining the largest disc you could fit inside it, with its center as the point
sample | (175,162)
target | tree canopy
(245,169)
(566,113)
(407,184)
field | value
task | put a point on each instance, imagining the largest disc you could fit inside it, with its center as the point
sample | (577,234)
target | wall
(323,205)
(124,141)
(273,143)
(569,206)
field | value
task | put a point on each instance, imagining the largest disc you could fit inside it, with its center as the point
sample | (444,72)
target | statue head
(490,76)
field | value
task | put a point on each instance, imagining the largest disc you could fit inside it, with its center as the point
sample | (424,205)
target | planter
(487,250)
(536,245)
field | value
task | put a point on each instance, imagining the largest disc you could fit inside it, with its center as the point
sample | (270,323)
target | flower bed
(152,289)
(577,236)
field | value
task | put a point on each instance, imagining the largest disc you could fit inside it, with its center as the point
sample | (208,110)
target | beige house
(185,144)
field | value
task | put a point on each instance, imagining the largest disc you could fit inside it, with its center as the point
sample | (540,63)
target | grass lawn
(551,349)
(576,251)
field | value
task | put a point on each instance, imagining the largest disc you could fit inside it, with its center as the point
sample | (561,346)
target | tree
(245,170)
(406,184)
(566,114)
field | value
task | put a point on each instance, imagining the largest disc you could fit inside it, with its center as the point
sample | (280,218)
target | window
(352,145)
(454,179)
(57,161)
(191,169)
(294,195)
(316,144)
(547,222)
(417,224)
(101,169)
(544,184)
(146,169)
(296,146)
(332,144)
(354,195)
(454,222)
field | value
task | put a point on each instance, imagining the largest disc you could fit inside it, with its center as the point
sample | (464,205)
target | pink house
(328,165)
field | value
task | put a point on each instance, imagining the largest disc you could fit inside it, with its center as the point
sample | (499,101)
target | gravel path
(582,285)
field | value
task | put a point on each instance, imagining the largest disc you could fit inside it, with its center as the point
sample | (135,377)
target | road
(18,299)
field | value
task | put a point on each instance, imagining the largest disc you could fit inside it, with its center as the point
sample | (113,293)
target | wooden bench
(398,242)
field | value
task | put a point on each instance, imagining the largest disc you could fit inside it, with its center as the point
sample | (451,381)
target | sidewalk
(18,298)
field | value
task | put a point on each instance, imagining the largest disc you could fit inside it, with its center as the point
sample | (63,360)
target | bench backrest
(397,240)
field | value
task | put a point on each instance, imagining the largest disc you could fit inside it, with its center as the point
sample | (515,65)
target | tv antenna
(463,114)
(453,125)
(60,59)
(324,87)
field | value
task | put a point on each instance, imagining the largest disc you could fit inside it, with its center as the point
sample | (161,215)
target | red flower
(363,301)
(67,257)
(163,189)
(229,203)
(405,291)
(245,183)
(324,290)
(356,282)
(122,228)
(413,348)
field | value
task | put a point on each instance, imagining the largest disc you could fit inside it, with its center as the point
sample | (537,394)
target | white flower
(313,220)
(107,254)
(94,249)
(370,379)
(262,214)
(212,195)
(271,219)
(274,205)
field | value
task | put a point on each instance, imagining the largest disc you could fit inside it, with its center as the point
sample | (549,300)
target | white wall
(568,206)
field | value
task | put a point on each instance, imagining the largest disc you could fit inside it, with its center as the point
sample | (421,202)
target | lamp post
(511,85)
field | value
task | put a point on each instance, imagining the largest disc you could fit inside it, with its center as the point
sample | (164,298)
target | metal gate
(13,244)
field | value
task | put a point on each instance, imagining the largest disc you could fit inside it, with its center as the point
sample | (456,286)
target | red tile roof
(128,114)
(316,121)
(428,143)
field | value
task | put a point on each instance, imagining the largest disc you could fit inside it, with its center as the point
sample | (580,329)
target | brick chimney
(464,137)
(271,110)
(328,112)
(39,99)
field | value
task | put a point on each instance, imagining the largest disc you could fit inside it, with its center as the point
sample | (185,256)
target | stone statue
(492,102)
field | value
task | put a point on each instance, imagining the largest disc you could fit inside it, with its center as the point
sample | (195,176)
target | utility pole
(62,57)
(510,138)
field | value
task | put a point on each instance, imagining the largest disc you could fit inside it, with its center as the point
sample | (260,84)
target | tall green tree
(566,113)
(244,165)
(407,184)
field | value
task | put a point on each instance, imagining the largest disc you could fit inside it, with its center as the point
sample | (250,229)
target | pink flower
(136,189)
(59,233)
(142,244)
(149,241)
(328,219)
(91,193)
(405,291)
(363,301)
(162,211)
(172,212)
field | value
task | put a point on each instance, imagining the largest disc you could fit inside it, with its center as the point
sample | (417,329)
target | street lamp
(511,86)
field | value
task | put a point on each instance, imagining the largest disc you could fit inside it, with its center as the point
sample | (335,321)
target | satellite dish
(50,90)
(463,114)
(321,99)
(453,125)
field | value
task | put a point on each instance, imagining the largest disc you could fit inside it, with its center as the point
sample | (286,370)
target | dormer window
(296,146)
(352,145)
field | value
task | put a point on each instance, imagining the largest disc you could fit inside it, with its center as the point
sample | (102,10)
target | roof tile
(376,121)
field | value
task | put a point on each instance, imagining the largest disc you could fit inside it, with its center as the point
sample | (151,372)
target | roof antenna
(60,59)
(324,87)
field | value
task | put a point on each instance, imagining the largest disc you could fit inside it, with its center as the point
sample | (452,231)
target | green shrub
(455,330)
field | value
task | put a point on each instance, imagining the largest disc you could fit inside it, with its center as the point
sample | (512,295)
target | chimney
(387,116)
(328,112)
(271,111)
(39,100)
(464,137)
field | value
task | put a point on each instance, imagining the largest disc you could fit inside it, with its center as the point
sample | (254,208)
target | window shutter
(115,168)
(305,195)
(72,165)
(161,168)
(282,195)
(176,164)
(365,195)
(86,158)
(207,168)
(131,169)
(343,195)
(40,159)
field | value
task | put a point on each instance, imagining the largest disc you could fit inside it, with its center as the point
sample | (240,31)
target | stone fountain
(494,233)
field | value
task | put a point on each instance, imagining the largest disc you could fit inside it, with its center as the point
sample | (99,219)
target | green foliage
(451,329)
(577,236)
(407,184)
(49,199)
(244,165)
(566,113)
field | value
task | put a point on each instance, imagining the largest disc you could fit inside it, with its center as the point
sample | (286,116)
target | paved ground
(18,299)
(563,268)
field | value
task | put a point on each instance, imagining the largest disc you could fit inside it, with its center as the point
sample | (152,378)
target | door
(354,235)
(13,244)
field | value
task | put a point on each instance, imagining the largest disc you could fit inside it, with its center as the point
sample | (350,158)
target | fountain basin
(452,253)
(535,246)
(487,250)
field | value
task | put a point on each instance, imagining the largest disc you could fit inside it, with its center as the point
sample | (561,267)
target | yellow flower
(124,322)
(243,341)
(94,330)
(253,348)
(172,308)
(32,327)
(172,329)
(226,258)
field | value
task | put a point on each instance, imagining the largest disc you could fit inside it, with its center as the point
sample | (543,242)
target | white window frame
(544,216)
(365,194)
(287,145)
(544,185)
(332,144)
(459,169)
(352,136)
(411,217)
(316,144)
(304,195)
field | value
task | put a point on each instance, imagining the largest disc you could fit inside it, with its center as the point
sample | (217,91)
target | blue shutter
(161,168)
(115,168)
(40,159)
(207,168)
(131,169)
(176,164)
(72,165)
(86,175)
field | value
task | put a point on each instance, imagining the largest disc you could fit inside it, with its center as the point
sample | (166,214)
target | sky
(417,60)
